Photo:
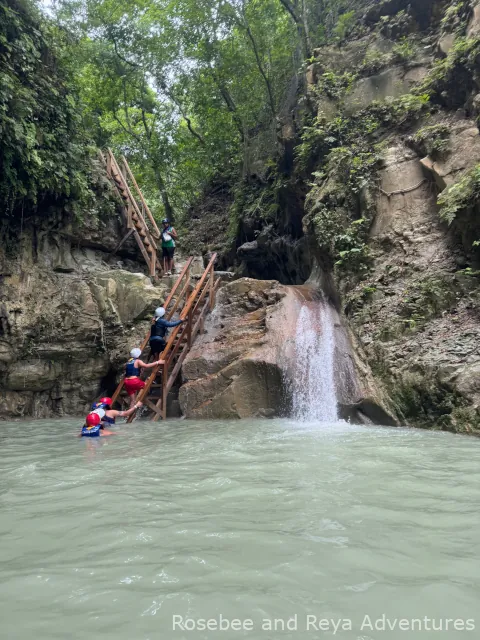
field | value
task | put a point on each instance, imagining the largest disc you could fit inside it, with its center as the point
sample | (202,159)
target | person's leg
(165,261)
(133,398)
(172,264)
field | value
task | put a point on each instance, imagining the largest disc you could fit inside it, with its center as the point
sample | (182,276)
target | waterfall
(313,380)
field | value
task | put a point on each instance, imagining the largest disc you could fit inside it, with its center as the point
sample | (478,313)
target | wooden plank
(118,391)
(123,240)
(151,406)
(141,246)
(164,391)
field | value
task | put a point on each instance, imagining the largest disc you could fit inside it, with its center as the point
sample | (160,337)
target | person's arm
(173,233)
(125,414)
(175,323)
(144,365)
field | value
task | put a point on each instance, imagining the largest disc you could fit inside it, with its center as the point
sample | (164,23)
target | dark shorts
(157,345)
(168,252)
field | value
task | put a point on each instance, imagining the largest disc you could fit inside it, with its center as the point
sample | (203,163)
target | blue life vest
(91,432)
(96,405)
(131,370)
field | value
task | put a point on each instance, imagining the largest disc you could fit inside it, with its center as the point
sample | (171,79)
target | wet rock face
(66,332)
(418,325)
(235,369)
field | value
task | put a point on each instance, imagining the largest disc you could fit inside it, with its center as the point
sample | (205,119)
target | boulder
(464,153)
(445,44)
(242,365)
(129,297)
(236,368)
(473,28)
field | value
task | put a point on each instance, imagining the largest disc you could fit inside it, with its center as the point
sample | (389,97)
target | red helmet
(107,401)
(93,420)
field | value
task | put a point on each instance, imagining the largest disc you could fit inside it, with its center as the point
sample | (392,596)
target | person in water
(169,235)
(159,330)
(110,415)
(93,427)
(133,383)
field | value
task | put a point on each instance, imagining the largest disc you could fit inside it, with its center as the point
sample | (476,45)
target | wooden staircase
(193,304)
(138,218)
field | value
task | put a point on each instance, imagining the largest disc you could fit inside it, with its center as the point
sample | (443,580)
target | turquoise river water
(166,530)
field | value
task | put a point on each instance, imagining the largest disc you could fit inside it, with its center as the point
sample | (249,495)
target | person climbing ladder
(159,330)
(169,235)
(133,383)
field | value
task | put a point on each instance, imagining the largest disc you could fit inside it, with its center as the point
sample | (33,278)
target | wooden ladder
(137,216)
(196,305)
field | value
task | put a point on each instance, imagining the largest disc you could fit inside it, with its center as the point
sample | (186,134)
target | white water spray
(313,383)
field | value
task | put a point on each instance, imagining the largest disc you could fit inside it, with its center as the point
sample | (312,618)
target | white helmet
(136,353)
(160,312)
(100,412)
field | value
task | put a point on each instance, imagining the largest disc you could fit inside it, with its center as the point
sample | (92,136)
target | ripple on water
(109,540)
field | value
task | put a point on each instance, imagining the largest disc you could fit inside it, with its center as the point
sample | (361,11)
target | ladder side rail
(140,194)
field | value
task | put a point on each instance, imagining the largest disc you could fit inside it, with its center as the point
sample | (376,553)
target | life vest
(158,330)
(91,432)
(131,370)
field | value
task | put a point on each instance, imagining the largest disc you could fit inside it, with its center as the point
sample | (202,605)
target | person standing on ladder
(159,330)
(169,235)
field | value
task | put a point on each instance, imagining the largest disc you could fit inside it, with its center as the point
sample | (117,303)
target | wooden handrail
(140,194)
(177,338)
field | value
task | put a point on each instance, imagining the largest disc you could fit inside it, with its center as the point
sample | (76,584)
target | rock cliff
(70,311)
(382,201)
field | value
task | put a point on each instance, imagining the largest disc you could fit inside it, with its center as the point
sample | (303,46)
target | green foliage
(44,151)
(433,139)
(460,196)
(404,50)
(454,71)
(334,85)
(455,17)
(375,60)
(400,111)
(345,25)
(396,26)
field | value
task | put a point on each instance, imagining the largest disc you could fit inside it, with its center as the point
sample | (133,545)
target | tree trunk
(169,212)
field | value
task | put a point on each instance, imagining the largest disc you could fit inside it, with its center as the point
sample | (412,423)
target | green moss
(428,298)
(424,402)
